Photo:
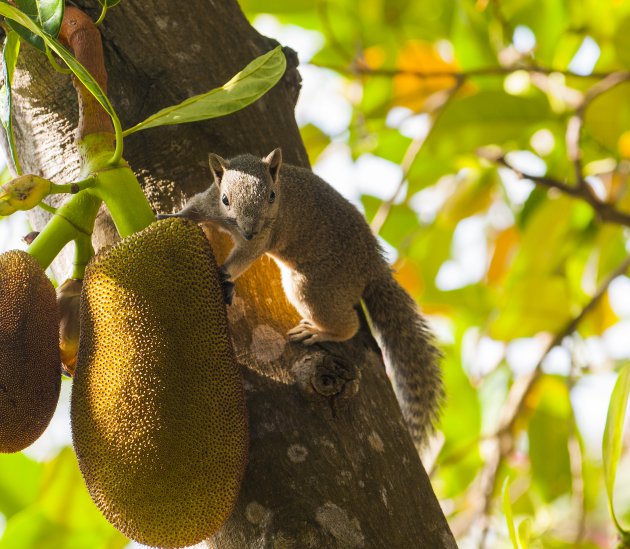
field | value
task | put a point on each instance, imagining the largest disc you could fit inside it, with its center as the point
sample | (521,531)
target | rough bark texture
(331,462)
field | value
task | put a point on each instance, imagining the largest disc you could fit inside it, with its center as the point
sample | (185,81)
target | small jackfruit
(30,374)
(157,409)
(25,191)
(6,208)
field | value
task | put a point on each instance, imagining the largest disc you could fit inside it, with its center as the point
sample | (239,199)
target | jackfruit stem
(127,204)
(83,252)
(116,185)
(74,187)
(47,208)
(120,190)
(72,220)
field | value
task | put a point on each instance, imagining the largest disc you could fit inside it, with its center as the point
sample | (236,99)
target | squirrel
(329,260)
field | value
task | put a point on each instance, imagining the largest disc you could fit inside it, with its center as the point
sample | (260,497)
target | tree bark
(331,463)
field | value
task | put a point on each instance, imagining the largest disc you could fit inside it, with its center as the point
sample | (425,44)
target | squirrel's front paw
(227,285)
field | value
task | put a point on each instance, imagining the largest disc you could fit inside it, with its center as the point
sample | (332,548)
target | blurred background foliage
(488,143)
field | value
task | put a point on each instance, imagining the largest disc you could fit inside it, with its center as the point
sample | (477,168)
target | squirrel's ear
(274,161)
(218,165)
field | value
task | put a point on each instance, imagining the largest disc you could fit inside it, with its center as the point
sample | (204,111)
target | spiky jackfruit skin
(30,374)
(158,412)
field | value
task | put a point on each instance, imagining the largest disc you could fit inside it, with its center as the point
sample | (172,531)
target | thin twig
(517,398)
(507,27)
(606,211)
(576,461)
(575,125)
(358,67)
(324,16)
(412,152)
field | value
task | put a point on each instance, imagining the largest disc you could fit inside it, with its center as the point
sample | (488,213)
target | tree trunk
(331,463)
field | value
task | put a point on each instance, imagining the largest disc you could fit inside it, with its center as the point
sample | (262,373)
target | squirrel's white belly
(291,282)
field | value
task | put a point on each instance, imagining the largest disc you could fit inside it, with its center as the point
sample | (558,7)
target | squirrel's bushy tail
(410,355)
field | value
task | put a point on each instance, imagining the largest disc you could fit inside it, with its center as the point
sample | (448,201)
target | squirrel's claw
(227,285)
(305,332)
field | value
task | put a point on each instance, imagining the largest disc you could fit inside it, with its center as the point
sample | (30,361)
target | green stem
(47,208)
(102,16)
(117,156)
(127,204)
(73,188)
(117,186)
(83,252)
(54,63)
(72,220)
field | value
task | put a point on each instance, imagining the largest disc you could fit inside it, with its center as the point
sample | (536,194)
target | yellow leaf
(474,193)
(549,395)
(407,275)
(624,144)
(374,57)
(599,319)
(505,247)
(411,90)
(533,303)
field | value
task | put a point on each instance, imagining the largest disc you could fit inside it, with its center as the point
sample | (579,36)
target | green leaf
(5,175)
(62,515)
(244,88)
(613,433)
(548,432)
(509,514)
(315,141)
(459,460)
(19,482)
(524,532)
(471,39)
(548,19)
(9,59)
(47,14)
(79,70)
(279,6)
(110,3)
(401,223)
(50,15)
(489,117)
(475,193)
(621,40)
(608,116)
(522,316)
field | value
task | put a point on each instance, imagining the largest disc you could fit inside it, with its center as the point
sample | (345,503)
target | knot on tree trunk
(328,375)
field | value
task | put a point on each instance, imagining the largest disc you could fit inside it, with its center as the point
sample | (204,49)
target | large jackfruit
(158,411)
(30,368)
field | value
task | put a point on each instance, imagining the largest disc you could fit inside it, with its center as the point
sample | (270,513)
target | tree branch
(575,125)
(324,16)
(515,403)
(605,211)
(359,67)
(84,40)
(412,152)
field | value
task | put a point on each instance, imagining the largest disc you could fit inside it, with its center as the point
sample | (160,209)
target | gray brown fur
(330,260)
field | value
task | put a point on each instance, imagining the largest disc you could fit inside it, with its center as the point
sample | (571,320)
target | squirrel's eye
(225,200)
(272,197)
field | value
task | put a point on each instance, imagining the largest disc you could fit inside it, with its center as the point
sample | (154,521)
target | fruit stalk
(115,185)
(84,40)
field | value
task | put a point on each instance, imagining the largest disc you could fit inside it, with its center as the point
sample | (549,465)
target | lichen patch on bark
(337,522)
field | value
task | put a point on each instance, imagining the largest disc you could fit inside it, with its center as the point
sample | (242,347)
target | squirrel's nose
(248,235)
